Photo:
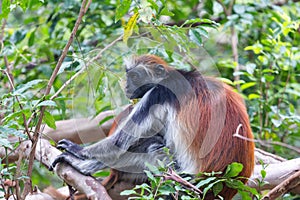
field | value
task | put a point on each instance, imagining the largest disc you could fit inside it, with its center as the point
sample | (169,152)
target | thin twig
(234,39)
(98,56)
(19,103)
(264,142)
(28,185)
(171,175)
(2,32)
(87,6)
(105,48)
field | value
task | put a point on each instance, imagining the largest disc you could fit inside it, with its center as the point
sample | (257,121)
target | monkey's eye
(134,76)
(160,70)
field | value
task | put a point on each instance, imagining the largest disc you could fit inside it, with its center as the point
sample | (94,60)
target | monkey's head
(143,73)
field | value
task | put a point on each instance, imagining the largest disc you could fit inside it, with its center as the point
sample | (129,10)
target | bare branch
(265,142)
(171,175)
(285,187)
(275,174)
(266,157)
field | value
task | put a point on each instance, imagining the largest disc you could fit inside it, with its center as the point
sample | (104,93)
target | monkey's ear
(160,70)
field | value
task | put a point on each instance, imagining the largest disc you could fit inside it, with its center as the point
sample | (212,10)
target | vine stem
(28,183)
(234,39)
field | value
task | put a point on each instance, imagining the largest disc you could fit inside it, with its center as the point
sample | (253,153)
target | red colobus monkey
(194,116)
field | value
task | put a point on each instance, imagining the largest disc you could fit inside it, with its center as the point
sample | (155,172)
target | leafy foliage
(34,32)
(163,183)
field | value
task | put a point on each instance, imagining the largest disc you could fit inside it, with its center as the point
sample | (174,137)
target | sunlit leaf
(5,9)
(248,85)
(122,9)
(166,12)
(233,170)
(49,120)
(205,181)
(129,27)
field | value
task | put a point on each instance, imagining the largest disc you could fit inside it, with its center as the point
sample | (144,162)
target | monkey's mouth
(138,92)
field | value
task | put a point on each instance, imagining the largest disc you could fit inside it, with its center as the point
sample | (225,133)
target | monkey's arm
(135,142)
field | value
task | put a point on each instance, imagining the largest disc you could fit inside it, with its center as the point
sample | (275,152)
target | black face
(139,81)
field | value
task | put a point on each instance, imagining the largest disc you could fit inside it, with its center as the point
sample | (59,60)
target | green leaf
(226,80)
(269,78)
(13,115)
(23,4)
(195,36)
(152,168)
(154,5)
(5,9)
(245,195)
(263,173)
(201,21)
(18,36)
(253,96)
(49,120)
(217,188)
(150,175)
(106,119)
(202,31)
(5,143)
(233,170)
(6,131)
(166,12)
(256,48)
(21,88)
(276,122)
(250,67)
(208,6)
(129,27)
(128,192)
(146,14)
(205,181)
(247,85)
(101,174)
(31,38)
(122,9)
(47,103)
(166,190)
(239,9)
(206,189)
(64,66)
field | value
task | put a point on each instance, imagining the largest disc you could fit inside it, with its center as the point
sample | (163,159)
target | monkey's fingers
(60,158)
(64,144)
(69,146)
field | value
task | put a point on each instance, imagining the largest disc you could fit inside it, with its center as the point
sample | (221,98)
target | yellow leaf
(129,27)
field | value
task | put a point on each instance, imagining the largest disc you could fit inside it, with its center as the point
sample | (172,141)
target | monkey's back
(209,129)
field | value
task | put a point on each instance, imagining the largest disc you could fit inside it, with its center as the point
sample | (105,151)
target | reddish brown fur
(214,111)
(227,149)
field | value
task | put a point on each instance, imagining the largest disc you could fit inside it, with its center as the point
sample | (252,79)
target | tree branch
(86,184)
(276,173)
(286,186)
(28,185)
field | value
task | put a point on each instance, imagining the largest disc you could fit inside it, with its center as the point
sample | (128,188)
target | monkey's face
(142,78)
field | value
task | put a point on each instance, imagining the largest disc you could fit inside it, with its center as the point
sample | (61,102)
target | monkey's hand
(73,156)
(71,148)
